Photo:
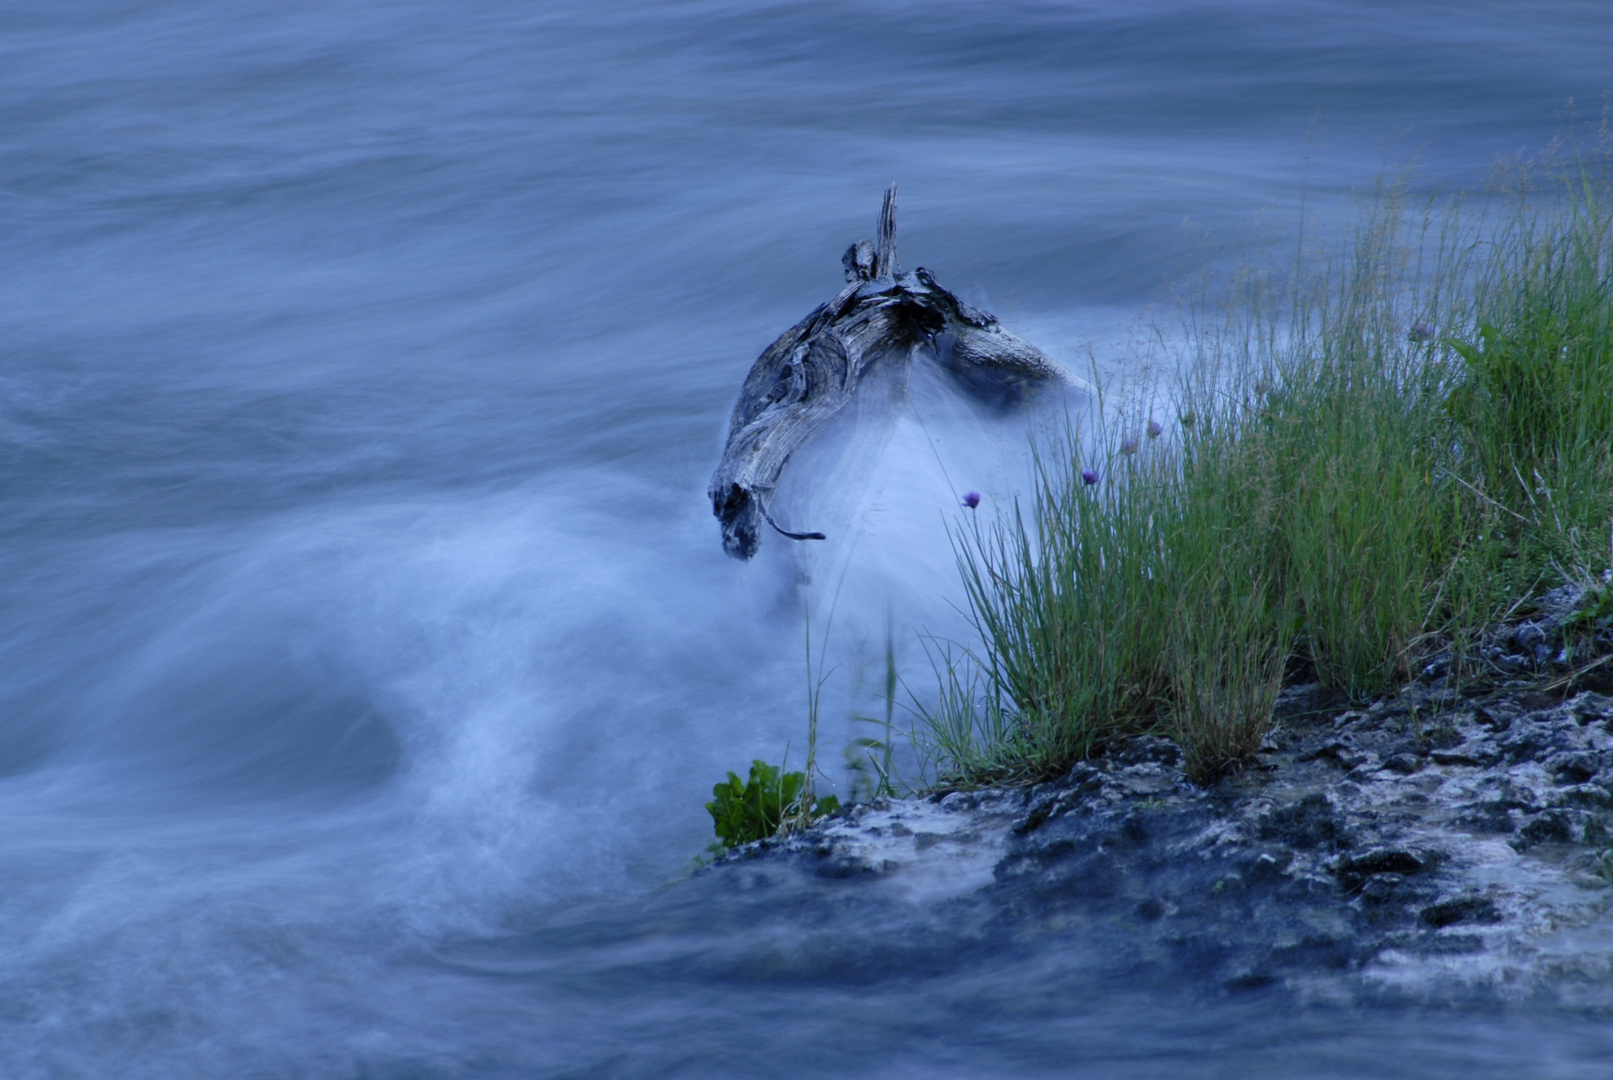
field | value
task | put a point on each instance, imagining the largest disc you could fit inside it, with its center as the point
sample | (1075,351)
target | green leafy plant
(1595,609)
(755,808)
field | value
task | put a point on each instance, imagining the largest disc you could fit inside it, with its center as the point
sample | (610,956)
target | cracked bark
(806,377)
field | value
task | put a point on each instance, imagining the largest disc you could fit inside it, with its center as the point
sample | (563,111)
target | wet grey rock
(1489,818)
(1443,738)
(1475,753)
(1573,767)
(1551,827)
(1405,764)
(1437,668)
(1460,909)
(1528,635)
(1511,794)
(1047,805)
(1497,716)
(961,801)
(1340,752)
(1586,796)
(1528,739)
(1513,663)
(1590,706)
(1354,871)
(1310,823)
(1381,854)
(1379,889)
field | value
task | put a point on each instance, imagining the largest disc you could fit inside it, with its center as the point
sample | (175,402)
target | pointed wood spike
(885,264)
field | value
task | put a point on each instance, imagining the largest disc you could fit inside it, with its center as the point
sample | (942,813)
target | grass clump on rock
(1367,465)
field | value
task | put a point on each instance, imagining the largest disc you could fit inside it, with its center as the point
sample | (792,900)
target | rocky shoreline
(1439,846)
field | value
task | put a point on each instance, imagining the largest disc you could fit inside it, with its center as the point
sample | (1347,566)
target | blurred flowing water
(366,646)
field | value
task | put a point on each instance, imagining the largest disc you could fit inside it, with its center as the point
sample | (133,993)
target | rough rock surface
(1436,847)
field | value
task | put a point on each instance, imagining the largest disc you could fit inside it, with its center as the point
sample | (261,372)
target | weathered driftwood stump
(809,374)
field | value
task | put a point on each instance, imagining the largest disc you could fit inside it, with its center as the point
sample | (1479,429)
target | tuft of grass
(1533,394)
(871,759)
(1371,459)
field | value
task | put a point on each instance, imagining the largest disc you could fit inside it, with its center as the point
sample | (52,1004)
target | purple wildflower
(1154,430)
(1419,332)
(1128,445)
(972,499)
(1089,476)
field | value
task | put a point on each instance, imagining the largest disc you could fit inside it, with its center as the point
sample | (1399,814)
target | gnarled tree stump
(809,374)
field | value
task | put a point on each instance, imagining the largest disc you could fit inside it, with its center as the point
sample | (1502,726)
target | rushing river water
(366,645)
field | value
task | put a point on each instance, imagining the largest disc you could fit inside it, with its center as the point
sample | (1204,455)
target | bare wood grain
(806,377)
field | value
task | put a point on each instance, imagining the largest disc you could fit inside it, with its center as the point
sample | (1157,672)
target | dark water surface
(366,648)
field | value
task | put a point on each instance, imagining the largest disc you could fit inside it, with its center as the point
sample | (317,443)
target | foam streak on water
(361,368)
